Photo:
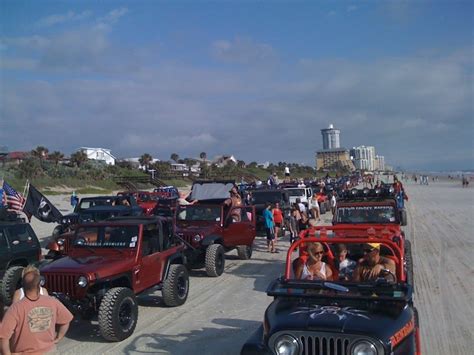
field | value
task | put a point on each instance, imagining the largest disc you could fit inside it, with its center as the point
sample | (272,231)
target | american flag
(13,199)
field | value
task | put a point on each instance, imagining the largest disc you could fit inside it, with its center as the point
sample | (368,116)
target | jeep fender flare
(121,280)
(176,258)
(211,239)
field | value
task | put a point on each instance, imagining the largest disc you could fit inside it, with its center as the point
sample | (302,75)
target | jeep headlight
(364,347)
(82,281)
(65,221)
(286,345)
(61,241)
(197,238)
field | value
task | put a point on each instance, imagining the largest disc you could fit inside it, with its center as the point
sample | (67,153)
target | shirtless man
(371,265)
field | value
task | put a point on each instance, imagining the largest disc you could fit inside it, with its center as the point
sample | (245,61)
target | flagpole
(26,191)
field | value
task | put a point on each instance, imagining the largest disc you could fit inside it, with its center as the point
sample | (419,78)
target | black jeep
(19,246)
(310,316)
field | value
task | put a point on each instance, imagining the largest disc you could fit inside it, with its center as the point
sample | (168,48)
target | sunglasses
(318,252)
(369,250)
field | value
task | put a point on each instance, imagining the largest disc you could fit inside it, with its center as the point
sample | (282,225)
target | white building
(379,162)
(331,138)
(136,162)
(364,157)
(100,154)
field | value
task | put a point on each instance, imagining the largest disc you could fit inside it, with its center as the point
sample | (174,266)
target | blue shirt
(267,214)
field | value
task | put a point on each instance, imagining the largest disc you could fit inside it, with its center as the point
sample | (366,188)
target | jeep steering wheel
(385,272)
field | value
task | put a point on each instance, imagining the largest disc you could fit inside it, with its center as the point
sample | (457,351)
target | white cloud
(62,18)
(243,50)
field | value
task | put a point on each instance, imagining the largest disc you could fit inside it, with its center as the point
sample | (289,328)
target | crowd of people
(367,268)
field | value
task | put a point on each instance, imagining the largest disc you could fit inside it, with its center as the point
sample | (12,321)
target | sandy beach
(221,313)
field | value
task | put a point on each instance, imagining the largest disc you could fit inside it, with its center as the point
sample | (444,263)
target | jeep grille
(319,345)
(61,283)
(323,343)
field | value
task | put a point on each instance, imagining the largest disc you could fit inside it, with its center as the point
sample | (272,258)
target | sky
(255,79)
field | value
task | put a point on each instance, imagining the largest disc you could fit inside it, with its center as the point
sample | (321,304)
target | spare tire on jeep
(10,283)
(215,260)
(118,314)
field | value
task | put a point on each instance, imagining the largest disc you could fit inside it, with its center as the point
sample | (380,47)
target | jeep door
(240,231)
(152,261)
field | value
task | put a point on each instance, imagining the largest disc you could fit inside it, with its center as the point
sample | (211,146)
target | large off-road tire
(244,252)
(10,283)
(176,286)
(215,260)
(403,217)
(118,314)
(408,263)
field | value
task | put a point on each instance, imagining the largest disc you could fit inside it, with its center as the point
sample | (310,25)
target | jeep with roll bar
(88,210)
(111,262)
(212,228)
(145,199)
(259,198)
(19,247)
(339,317)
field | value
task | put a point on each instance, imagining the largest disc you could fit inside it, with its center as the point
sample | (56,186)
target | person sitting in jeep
(371,266)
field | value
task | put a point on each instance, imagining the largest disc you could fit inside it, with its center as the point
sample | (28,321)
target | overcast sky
(256,79)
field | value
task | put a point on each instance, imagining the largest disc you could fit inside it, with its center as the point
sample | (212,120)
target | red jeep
(111,262)
(210,228)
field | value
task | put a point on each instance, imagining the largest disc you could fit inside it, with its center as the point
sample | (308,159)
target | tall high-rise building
(364,157)
(330,137)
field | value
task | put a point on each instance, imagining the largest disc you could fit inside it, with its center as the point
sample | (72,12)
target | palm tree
(78,158)
(145,160)
(56,157)
(174,157)
(203,156)
(41,153)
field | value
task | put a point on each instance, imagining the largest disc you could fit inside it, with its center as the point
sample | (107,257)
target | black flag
(40,207)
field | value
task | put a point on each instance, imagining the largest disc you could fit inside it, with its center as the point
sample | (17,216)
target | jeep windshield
(366,214)
(296,192)
(19,236)
(262,197)
(89,216)
(122,237)
(87,203)
(199,213)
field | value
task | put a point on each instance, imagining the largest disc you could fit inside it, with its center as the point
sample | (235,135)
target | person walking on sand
(36,323)
(74,200)
(313,206)
(277,220)
(333,203)
(269,228)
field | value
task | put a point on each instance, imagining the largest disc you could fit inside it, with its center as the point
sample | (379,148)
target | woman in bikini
(314,268)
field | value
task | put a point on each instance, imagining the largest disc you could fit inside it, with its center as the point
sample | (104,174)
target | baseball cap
(374,245)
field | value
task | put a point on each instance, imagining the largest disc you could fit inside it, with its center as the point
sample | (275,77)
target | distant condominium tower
(331,137)
(364,157)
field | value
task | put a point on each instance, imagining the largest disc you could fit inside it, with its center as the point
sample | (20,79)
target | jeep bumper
(255,346)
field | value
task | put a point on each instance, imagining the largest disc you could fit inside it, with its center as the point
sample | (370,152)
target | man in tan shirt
(29,326)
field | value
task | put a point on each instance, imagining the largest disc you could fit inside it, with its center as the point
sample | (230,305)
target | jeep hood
(103,266)
(307,316)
